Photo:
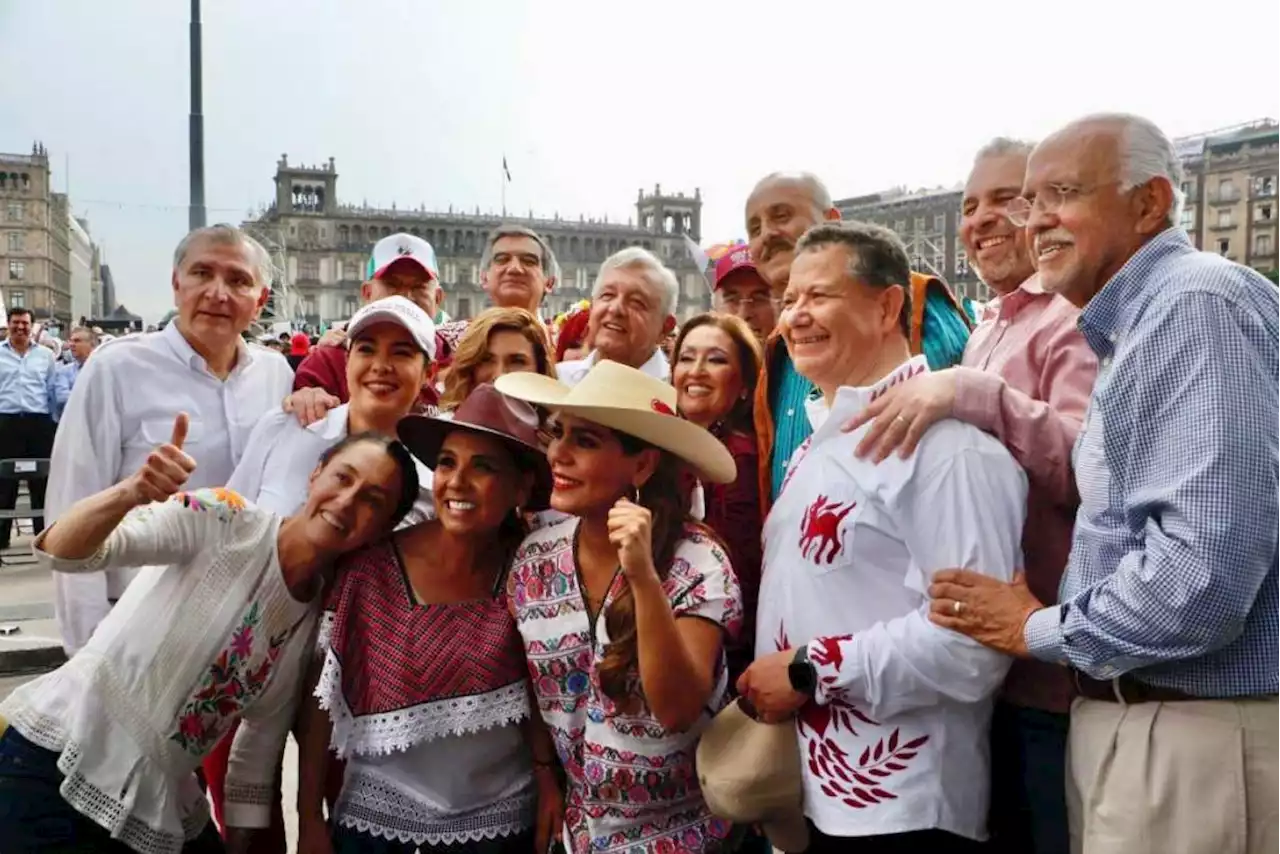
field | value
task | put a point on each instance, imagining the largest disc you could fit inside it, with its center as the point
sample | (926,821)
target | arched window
(344,235)
(431,237)
(573,247)
(357,235)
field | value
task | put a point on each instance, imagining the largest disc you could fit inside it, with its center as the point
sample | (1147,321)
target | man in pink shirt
(1026,377)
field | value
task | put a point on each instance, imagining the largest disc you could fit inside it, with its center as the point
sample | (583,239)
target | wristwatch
(802,673)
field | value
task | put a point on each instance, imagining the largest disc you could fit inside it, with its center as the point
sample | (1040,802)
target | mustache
(774,246)
(1058,235)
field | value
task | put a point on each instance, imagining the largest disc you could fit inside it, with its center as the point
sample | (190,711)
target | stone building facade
(321,246)
(928,221)
(35,249)
(1232,207)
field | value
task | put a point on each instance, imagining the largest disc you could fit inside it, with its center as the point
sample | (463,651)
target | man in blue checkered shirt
(1168,607)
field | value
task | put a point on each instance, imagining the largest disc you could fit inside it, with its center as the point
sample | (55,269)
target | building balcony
(1263,193)
(1220,226)
(1229,197)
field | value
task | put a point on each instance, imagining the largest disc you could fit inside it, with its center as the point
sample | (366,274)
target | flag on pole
(695,252)
(505,170)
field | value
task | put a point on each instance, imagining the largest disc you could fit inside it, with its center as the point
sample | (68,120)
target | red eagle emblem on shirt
(820,529)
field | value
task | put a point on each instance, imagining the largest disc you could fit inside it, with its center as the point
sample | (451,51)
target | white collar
(850,400)
(656,367)
(182,348)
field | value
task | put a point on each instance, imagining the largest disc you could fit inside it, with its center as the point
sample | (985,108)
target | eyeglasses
(1050,200)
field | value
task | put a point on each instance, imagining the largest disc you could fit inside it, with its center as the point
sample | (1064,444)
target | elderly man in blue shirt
(79,344)
(1168,608)
(27,373)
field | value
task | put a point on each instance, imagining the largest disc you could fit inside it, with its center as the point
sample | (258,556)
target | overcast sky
(419,100)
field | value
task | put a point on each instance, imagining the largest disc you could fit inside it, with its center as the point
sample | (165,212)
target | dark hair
(739,418)
(513,529)
(666,494)
(547,259)
(18,309)
(398,453)
(876,257)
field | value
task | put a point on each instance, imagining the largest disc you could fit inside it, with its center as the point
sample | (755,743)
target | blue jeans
(1028,781)
(34,819)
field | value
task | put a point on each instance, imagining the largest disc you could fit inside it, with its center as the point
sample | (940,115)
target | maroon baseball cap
(731,262)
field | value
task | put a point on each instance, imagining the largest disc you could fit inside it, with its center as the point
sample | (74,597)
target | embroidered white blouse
(896,739)
(206,635)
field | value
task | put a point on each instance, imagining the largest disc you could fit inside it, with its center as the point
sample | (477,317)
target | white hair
(229,235)
(812,184)
(653,271)
(1003,145)
(1146,153)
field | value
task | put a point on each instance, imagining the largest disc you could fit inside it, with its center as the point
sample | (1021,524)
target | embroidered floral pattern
(230,684)
(857,786)
(632,783)
(223,503)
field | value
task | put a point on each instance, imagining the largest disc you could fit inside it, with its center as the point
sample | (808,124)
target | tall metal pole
(196,217)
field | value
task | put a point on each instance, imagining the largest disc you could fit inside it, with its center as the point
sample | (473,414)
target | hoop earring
(636,498)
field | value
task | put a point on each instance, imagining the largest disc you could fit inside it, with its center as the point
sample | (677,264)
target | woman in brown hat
(423,675)
(624,608)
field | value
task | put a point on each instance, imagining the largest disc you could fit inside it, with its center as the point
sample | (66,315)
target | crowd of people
(836,567)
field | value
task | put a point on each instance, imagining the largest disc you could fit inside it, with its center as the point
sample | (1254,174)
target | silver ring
(904,419)
(957,607)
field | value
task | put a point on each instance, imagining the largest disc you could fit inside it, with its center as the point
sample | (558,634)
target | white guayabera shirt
(896,738)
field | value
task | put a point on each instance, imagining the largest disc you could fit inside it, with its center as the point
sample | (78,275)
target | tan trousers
(1173,778)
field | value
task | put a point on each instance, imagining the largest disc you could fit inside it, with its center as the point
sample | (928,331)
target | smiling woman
(100,753)
(499,341)
(423,688)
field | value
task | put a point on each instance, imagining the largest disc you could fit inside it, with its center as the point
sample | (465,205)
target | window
(1186,188)
(475,274)
(309,306)
(1224,219)
(464,308)
(17,271)
(351,271)
(16,213)
(15,241)
(350,305)
(1262,244)
(17,299)
(451,274)
(1188,219)
(1226,189)
(1224,245)
(1264,185)
(919,224)
(940,223)
(309,269)
(1265,213)
(900,226)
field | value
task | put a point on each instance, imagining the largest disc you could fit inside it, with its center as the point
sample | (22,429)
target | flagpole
(504,190)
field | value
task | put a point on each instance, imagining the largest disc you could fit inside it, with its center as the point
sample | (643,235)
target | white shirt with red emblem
(896,737)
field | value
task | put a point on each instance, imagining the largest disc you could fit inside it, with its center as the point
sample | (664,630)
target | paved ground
(26,605)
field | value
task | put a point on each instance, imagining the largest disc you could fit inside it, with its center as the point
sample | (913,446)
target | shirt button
(1106,361)
(790,412)
(1113,337)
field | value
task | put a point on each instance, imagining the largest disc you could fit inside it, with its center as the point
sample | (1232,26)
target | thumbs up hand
(166,468)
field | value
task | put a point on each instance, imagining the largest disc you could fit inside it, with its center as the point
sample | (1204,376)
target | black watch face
(802,676)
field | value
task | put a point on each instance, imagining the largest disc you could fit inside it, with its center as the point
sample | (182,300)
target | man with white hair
(126,397)
(1025,378)
(1167,613)
(633,307)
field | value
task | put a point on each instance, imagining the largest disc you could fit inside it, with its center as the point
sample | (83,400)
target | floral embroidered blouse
(207,635)
(632,784)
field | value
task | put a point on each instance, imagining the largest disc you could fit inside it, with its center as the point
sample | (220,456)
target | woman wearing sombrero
(624,608)
(423,677)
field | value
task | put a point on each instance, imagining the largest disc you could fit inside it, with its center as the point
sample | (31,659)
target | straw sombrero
(631,402)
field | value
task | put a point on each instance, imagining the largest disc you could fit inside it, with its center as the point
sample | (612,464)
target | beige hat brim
(686,440)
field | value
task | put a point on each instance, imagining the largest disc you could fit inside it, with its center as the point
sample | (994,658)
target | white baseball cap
(391,249)
(400,311)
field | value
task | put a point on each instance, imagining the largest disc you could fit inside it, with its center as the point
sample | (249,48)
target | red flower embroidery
(242,642)
(191,726)
(659,406)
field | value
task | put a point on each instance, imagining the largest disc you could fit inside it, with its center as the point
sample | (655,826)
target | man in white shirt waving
(127,395)
(891,712)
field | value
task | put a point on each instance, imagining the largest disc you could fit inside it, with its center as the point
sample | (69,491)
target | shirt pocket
(828,527)
(153,432)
